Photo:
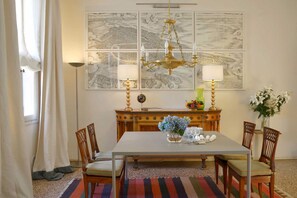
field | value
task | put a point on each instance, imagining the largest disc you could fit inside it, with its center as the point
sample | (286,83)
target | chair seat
(104,168)
(232,157)
(257,168)
(107,155)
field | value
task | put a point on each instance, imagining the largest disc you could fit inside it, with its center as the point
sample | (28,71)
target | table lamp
(212,73)
(127,73)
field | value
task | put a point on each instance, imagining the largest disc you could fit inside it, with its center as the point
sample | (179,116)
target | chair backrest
(270,139)
(83,147)
(248,133)
(93,140)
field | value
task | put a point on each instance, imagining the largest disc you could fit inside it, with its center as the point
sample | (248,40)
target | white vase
(264,122)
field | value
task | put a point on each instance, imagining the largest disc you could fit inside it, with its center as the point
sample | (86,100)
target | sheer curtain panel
(28,22)
(15,170)
(52,158)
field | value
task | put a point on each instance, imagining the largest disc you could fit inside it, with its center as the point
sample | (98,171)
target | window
(28,24)
(30,95)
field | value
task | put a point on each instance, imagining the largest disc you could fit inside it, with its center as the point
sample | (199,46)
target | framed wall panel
(101,70)
(215,31)
(114,38)
(112,30)
(151,26)
(233,70)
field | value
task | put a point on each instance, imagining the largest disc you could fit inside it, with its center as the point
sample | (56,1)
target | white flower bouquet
(267,102)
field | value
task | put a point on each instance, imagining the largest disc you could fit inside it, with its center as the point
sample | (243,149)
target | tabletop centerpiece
(175,127)
(267,103)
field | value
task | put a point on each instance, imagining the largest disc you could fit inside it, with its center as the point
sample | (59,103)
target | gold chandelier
(169,61)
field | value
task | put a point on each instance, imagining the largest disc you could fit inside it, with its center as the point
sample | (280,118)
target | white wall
(271,58)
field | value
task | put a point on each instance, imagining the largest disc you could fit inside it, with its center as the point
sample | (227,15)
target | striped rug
(176,187)
(153,187)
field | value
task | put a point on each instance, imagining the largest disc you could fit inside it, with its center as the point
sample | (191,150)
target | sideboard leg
(203,165)
(135,166)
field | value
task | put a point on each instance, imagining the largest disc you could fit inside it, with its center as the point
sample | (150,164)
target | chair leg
(225,178)
(229,184)
(118,184)
(86,188)
(241,187)
(216,170)
(260,189)
(271,186)
(93,185)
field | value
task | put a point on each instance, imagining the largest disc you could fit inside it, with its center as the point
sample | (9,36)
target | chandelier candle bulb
(142,50)
(166,47)
(194,49)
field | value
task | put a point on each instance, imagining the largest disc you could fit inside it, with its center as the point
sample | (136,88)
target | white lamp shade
(212,72)
(127,72)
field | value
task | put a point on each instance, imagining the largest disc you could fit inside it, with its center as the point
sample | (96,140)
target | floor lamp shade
(127,73)
(212,73)
(76,64)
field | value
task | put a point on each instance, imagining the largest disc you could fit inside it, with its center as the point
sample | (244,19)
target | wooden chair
(93,140)
(95,172)
(248,133)
(96,153)
(262,171)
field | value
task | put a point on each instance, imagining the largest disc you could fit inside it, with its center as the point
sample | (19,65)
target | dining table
(154,143)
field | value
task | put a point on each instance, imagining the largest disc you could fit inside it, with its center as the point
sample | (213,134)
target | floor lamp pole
(76,65)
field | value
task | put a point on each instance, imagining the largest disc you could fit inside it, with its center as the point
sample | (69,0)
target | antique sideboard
(140,120)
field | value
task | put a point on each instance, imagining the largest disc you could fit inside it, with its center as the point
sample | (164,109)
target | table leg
(113,176)
(248,188)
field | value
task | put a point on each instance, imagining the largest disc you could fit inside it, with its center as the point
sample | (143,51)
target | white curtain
(52,149)
(29,26)
(15,171)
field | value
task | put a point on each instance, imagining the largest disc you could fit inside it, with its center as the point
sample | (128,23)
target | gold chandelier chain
(169,9)
(178,43)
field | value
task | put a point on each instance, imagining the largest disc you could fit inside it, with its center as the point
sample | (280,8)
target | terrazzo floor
(286,175)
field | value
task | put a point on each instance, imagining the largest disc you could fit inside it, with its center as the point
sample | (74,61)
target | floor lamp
(212,73)
(76,65)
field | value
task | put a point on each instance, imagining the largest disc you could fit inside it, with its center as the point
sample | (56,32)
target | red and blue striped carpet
(153,187)
(177,187)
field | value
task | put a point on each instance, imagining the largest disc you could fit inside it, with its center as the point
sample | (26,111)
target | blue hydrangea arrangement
(174,124)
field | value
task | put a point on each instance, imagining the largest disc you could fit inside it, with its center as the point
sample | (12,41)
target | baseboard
(76,164)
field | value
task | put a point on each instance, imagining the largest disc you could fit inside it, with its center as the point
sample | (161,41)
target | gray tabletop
(148,143)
